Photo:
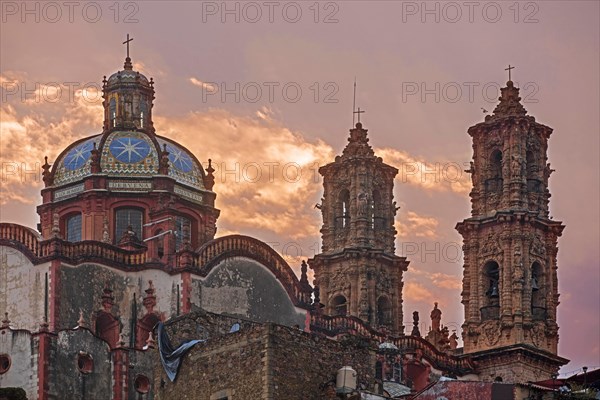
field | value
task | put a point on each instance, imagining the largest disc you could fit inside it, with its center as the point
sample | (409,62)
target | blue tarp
(170,357)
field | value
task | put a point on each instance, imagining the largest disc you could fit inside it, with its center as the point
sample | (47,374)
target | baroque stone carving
(491,332)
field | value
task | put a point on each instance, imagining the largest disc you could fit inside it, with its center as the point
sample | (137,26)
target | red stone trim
(43,360)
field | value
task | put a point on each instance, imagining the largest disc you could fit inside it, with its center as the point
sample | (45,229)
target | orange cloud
(411,224)
(414,291)
(443,175)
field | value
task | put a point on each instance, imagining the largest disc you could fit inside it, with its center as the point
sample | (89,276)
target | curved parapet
(214,252)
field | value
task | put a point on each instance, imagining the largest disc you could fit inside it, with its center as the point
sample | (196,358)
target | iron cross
(127,42)
(508,69)
(359,112)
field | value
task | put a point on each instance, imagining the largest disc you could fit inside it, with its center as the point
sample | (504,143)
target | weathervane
(127,43)
(508,69)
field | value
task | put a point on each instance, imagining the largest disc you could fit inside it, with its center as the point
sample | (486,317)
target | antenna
(159,235)
(157,222)
(354,103)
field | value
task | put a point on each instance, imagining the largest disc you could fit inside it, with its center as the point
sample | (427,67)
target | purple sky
(424,72)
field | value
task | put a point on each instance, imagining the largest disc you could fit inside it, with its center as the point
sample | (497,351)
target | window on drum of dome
(180,231)
(113,112)
(125,217)
(143,112)
(73,226)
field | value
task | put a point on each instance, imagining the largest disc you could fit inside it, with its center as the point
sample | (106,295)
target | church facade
(127,240)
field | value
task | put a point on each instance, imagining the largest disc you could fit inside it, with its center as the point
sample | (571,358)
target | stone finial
(163,168)
(46,174)
(5,321)
(415,329)
(95,160)
(317,300)
(149,301)
(209,179)
(303,273)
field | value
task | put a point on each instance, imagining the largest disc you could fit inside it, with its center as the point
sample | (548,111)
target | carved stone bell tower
(357,272)
(510,291)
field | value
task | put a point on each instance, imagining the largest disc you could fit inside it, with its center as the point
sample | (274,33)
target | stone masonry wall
(261,361)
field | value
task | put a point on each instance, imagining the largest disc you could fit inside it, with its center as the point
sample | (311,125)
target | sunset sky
(265,89)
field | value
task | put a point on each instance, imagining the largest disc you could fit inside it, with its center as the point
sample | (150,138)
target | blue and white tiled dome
(128,154)
(128,146)
(74,163)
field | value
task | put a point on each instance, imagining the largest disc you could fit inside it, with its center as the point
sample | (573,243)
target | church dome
(128,146)
(127,154)
(127,75)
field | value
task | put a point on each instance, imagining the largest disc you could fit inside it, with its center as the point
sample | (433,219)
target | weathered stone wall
(22,289)
(231,363)
(81,289)
(22,349)
(301,364)
(243,287)
(261,361)
(141,363)
(65,380)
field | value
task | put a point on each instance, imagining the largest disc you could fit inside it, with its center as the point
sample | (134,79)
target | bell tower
(357,272)
(510,292)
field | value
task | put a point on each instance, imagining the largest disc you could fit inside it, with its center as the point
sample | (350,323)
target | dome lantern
(128,99)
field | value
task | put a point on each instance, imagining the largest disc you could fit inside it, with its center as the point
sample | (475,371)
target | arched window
(113,112)
(73,227)
(343,209)
(107,327)
(538,297)
(491,277)
(126,217)
(384,311)
(339,305)
(377,219)
(183,227)
(494,182)
(143,111)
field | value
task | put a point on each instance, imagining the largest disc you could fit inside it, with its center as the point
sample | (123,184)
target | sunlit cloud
(413,225)
(441,176)
(204,85)
(416,292)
